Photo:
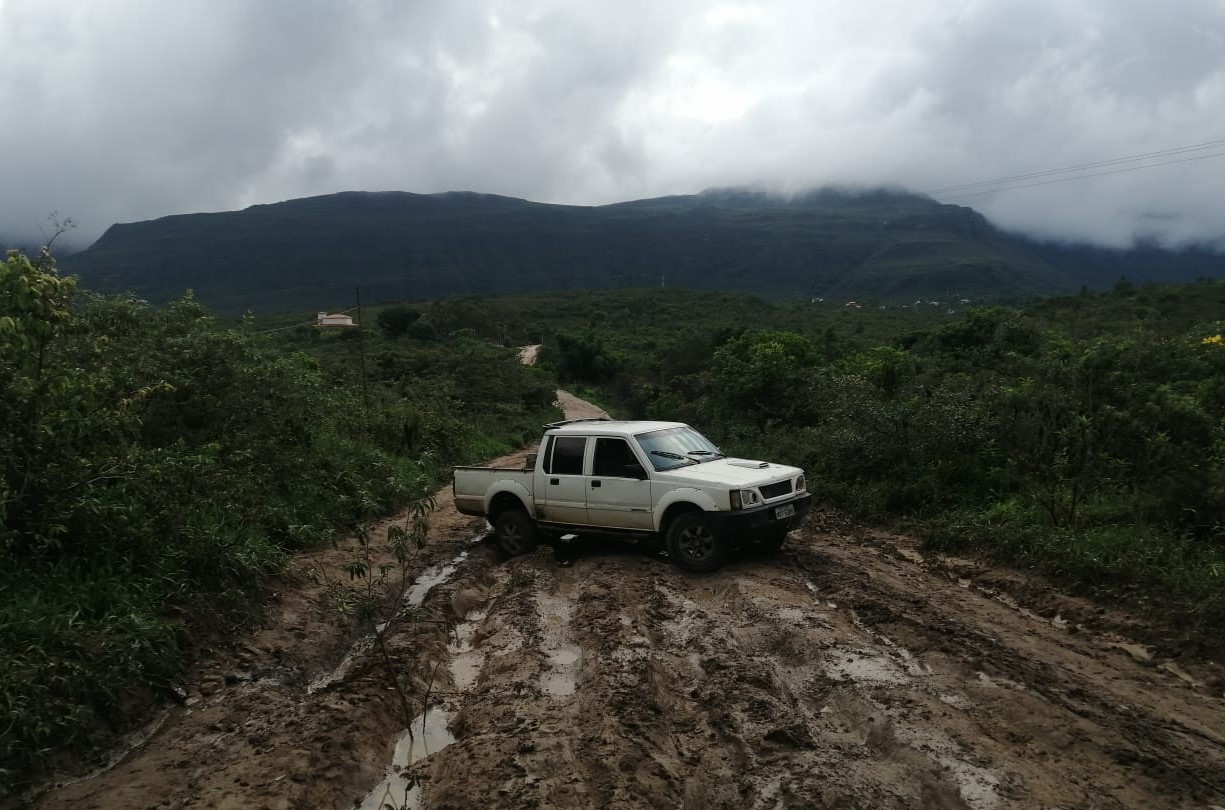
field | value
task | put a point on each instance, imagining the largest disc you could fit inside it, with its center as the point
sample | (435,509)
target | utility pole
(361,351)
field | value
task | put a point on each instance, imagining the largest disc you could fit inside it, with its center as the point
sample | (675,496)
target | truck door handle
(553,481)
(595,484)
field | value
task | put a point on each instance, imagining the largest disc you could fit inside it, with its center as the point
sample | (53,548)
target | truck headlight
(744,498)
(800,483)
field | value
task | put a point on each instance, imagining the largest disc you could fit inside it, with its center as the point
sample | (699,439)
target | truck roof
(608,427)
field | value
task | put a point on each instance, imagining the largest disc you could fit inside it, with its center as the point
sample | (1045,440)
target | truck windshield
(670,448)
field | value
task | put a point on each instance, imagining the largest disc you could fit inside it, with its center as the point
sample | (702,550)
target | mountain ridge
(884,244)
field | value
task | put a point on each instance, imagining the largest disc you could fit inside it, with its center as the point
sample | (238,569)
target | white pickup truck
(651,481)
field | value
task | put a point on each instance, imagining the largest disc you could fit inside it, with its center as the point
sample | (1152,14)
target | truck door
(618,490)
(561,495)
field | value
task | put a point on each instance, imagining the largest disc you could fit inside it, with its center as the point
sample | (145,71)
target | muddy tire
(515,533)
(696,543)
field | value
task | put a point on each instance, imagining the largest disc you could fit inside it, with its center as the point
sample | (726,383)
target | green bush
(1087,442)
(156,467)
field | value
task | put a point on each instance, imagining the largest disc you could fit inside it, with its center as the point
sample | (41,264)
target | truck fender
(689,495)
(506,486)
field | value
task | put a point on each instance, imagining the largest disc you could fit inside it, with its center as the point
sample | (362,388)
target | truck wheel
(515,533)
(696,543)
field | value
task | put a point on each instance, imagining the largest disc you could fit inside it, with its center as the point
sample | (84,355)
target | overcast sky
(123,110)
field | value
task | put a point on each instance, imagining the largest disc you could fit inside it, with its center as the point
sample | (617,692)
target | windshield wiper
(684,461)
(703,452)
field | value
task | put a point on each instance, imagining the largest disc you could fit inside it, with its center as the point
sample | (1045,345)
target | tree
(584,358)
(762,374)
(35,312)
(395,321)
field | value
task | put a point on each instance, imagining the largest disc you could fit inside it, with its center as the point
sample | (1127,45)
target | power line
(296,325)
(283,328)
(1081,176)
(1011,181)
(1097,164)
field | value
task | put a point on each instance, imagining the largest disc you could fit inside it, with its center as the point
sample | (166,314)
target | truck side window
(612,456)
(568,455)
(548,456)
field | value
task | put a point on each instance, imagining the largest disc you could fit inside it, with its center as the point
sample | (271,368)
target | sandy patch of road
(529,354)
(576,408)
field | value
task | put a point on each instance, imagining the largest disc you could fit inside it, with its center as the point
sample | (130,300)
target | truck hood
(732,473)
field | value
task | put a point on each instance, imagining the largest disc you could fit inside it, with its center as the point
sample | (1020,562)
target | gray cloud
(133,109)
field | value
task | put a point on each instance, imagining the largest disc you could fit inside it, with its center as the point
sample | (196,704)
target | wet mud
(851,670)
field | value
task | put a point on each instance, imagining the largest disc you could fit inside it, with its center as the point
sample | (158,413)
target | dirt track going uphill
(849,671)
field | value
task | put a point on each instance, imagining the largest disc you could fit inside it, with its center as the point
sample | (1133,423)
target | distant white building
(325,319)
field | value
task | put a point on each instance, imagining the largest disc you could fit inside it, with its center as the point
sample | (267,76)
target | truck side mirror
(634,470)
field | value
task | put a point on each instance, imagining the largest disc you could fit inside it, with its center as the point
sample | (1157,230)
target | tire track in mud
(694,692)
(823,677)
(830,676)
(783,684)
(1100,712)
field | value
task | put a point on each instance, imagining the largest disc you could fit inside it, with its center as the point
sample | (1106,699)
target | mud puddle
(129,745)
(416,594)
(564,658)
(466,658)
(428,734)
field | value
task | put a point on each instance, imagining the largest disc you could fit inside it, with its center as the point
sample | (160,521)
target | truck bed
(471,483)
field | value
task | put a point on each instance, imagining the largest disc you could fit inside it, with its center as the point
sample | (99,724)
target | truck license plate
(784,511)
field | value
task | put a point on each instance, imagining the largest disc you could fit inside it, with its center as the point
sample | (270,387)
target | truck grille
(776,490)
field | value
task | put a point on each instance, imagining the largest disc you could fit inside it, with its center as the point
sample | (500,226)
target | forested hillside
(888,246)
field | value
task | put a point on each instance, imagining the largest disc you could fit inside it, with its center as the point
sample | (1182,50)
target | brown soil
(853,670)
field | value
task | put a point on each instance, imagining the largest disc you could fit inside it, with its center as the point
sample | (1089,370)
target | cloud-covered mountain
(883,245)
(124,110)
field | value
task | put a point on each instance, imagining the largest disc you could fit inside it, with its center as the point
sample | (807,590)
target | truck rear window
(567,456)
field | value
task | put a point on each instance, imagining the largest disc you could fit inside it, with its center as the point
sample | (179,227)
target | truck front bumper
(769,519)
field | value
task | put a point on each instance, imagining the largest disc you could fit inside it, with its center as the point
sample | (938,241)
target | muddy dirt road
(529,354)
(849,671)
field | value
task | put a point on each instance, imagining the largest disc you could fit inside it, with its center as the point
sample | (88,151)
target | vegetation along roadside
(159,464)
(1082,437)
(1078,436)
(156,466)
